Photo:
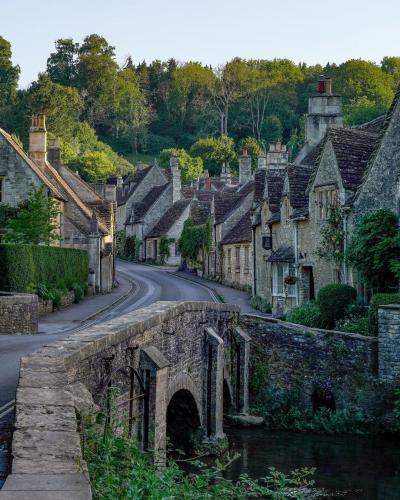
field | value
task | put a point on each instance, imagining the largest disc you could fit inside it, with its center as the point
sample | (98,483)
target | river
(367,468)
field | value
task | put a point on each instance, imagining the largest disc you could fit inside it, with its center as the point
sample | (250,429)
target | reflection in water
(368,466)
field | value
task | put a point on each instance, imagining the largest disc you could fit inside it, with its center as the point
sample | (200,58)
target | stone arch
(183,381)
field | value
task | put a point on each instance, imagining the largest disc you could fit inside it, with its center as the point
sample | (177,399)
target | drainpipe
(215,251)
(254,261)
(296,259)
(345,228)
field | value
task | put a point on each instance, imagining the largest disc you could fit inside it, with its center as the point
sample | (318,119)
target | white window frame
(279,289)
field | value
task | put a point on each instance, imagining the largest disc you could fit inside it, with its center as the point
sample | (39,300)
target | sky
(209,31)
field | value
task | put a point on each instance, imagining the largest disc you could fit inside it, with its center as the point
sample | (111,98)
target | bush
(333,300)
(261,304)
(57,297)
(353,324)
(26,266)
(376,301)
(306,314)
(78,291)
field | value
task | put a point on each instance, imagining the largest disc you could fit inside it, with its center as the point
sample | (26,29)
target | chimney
(176,179)
(324,111)
(119,181)
(226,173)
(262,162)
(207,183)
(37,140)
(277,156)
(54,152)
(140,165)
(244,167)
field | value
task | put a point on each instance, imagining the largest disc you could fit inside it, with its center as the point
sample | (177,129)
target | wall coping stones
(48,462)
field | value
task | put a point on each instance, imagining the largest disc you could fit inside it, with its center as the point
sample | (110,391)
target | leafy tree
(272,130)
(391,65)
(36,221)
(214,151)
(374,249)
(97,165)
(62,64)
(9,74)
(164,250)
(361,111)
(253,148)
(191,167)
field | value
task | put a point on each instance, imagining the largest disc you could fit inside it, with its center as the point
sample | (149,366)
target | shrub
(376,301)
(306,314)
(353,324)
(333,300)
(261,304)
(26,266)
(78,291)
(57,297)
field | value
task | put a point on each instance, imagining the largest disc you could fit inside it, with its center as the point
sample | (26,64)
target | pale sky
(210,31)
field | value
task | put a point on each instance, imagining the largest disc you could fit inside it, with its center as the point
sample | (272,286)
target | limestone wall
(18,313)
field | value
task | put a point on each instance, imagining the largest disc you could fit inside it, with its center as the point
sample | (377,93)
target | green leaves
(214,151)
(195,239)
(191,168)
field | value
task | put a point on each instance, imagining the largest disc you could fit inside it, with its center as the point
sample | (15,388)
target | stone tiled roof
(130,185)
(374,126)
(224,204)
(353,148)
(200,211)
(260,178)
(140,209)
(274,190)
(298,176)
(240,233)
(313,155)
(282,254)
(168,219)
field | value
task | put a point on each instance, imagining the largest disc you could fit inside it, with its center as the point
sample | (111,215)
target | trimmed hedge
(333,301)
(307,314)
(23,267)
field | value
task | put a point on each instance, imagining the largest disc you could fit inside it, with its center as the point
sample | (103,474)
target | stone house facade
(87,217)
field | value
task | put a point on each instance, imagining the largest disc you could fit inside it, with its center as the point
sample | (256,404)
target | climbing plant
(332,237)
(195,238)
(164,248)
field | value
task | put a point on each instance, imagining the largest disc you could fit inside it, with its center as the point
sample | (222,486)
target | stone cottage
(87,215)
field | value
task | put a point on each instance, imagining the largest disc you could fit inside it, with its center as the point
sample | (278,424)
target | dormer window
(325,200)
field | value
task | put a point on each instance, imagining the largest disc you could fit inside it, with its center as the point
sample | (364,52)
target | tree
(191,168)
(9,75)
(97,165)
(272,130)
(391,65)
(361,111)
(214,152)
(374,249)
(253,148)
(62,66)
(36,221)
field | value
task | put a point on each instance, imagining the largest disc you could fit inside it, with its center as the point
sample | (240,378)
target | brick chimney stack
(38,140)
(262,162)
(277,156)
(176,179)
(244,167)
(54,153)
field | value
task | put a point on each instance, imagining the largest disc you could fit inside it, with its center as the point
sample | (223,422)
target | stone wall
(18,313)
(389,349)
(298,358)
(47,456)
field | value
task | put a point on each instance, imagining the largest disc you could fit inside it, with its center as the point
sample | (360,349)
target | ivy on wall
(194,239)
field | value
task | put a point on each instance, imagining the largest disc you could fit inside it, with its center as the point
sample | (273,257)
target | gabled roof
(298,177)
(140,208)
(130,184)
(374,126)
(200,211)
(260,179)
(168,219)
(241,233)
(274,191)
(313,155)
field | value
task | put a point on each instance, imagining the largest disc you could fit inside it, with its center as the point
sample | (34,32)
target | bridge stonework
(152,355)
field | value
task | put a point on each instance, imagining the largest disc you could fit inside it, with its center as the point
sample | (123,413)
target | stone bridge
(171,368)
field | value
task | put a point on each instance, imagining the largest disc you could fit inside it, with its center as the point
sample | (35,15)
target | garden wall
(299,359)
(18,313)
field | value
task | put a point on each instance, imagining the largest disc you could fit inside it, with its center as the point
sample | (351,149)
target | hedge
(23,267)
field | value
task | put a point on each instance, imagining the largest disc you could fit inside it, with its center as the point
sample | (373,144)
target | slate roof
(374,126)
(200,211)
(142,207)
(168,219)
(282,254)
(274,193)
(240,233)
(260,178)
(313,155)
(298,176)
(224,204)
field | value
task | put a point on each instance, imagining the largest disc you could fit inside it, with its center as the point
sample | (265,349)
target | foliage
(130,248)
(164,248)
(30,266)
(214,152)
(375,248)
(6,213)
(253,149)
(118,469)
(97,165)
(333,300)
(353,324)
(308,314)
(195,239)
(261,304)
(332,237)
(361,111)
(120,240)
(78,291)
(191,168)
(36,220)
(9,74)
(377,300)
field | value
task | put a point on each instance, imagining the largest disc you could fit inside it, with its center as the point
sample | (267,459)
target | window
(237,257)
(2,197)
(246,258)
(280,270)
(229,259)
(325,199)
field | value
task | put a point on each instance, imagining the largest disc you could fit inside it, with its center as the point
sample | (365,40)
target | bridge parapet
(152,355)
